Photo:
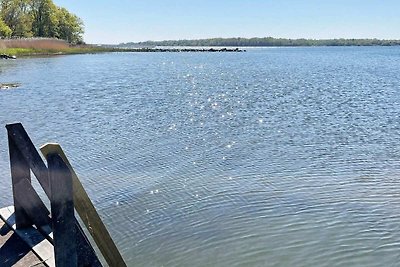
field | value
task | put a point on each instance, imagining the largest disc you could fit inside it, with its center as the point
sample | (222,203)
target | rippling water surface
(274,157)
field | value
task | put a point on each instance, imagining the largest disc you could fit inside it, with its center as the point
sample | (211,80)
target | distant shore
(265,42)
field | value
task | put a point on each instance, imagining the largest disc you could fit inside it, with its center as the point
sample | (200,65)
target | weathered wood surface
(35,240)
(62,211)
(88,213)
(14,251)
(41,242)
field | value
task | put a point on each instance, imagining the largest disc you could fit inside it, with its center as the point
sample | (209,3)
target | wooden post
(20,141)
(88,213)
(62,210)
(19,171)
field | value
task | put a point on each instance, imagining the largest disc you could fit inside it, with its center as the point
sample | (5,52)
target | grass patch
(21,52)
(21,47)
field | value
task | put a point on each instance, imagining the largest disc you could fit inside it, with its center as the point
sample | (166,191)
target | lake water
(273,157)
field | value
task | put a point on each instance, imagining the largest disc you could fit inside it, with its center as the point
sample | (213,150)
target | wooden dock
(14,251)
(55,237)
(26,247)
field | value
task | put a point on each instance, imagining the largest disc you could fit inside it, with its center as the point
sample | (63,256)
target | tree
(44,18)
(14,14)
(39,18)
(70,27)
(5,31)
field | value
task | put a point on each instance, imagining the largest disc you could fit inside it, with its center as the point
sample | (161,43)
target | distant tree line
(39,18)
(268,41)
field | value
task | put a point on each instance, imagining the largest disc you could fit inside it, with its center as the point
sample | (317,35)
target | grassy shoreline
(29,52)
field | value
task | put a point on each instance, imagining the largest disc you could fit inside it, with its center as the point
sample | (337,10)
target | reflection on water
(274,157)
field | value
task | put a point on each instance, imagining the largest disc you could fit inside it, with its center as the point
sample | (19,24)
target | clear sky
(119,21)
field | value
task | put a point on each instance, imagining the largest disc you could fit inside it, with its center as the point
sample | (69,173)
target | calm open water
(274,157)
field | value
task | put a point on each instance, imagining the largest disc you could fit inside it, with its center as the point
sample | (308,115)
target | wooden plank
(88,213)
(36,241)
(19,136)
(14,252)
(31,203)
(62,211)
(19,171)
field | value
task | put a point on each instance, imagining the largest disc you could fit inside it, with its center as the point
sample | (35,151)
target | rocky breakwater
(144,49)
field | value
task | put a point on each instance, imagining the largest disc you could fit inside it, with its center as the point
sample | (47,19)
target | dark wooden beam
(88,213)
(62,192)
(22,142)
(62,210)
(19,171)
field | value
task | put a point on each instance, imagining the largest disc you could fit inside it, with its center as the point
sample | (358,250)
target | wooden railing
(65,192)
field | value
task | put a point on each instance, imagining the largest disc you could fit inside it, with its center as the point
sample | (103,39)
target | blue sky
(123,20)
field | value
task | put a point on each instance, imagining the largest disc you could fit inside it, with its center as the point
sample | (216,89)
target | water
(274,157)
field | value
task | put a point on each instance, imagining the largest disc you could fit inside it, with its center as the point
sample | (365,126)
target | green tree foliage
(5,31)
(44,18)
(39,18)
(15,14)
(70,27)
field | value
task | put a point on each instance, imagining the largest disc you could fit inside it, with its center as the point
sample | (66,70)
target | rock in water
(4,56)
(6,86)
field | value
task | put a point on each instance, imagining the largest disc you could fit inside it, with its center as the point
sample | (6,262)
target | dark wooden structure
(14,251)
(63,241)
